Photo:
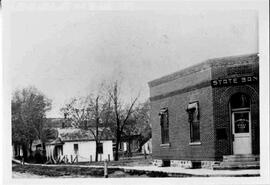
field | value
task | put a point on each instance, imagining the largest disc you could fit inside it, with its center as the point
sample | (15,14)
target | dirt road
(26,175)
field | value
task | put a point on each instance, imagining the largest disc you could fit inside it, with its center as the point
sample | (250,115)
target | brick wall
(179,127)
(177,90)
(221,97)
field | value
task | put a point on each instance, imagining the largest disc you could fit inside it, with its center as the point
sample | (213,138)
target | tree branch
(93,133)
(128,113)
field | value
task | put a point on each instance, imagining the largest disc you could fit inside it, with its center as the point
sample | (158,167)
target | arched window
(239,101)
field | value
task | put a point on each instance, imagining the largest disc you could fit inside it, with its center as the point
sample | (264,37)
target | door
(241,128)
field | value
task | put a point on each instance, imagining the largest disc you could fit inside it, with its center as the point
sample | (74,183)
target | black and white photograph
(120,92)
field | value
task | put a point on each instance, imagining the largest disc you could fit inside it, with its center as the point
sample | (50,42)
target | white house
(78,145)
(147,147)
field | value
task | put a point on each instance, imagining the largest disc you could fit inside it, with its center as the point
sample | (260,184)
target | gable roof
(71,134)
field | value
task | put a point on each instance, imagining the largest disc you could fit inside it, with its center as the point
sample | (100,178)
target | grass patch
(58,171)
(76,171)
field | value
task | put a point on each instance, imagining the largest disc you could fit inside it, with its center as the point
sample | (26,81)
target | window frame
(76,151)
(194,122)
(165,136)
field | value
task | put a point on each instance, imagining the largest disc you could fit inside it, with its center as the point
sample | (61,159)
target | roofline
(83,140)
(207,64)
(75,140)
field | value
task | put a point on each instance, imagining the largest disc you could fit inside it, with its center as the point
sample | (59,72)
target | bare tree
(121,113)
(139,124)
(90,113)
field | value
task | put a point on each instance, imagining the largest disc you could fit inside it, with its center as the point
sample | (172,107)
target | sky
(68,54)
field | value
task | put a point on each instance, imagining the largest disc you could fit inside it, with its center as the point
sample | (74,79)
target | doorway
(241,130)
(241,124)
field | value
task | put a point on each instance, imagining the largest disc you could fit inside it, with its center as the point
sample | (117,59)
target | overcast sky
(68,53)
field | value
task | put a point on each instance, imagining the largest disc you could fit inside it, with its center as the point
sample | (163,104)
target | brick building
(205,112)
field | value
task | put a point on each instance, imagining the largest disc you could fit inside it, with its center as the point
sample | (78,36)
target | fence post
(71,158)
(106,169)
(108,157)
(90,158)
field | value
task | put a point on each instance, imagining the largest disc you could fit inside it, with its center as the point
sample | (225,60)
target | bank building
(207,115)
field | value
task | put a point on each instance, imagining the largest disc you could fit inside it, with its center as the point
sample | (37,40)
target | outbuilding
(202,114)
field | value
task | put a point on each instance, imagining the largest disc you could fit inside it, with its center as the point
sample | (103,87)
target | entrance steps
(239,161)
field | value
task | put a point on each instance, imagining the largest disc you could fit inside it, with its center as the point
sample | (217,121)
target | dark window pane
(193,118)
(240,100)
(164,123)
(241,122)
(195,132)
(76,148)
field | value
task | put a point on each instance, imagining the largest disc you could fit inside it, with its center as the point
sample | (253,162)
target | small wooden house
(76,145)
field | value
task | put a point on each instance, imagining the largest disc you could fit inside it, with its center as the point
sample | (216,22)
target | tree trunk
(44,148)
(97,125)
(30,149)
(129,147)
(24,148)
(141,143)
(96,151)
(15,150)
(43,152)
(116,157)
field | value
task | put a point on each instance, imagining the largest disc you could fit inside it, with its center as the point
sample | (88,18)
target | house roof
(67,134)
(71,134)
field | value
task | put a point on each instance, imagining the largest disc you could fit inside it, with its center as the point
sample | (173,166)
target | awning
(193,105)
(163,111)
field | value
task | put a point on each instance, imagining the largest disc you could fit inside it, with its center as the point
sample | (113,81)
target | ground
(26,175)
(136,167)
(35,171)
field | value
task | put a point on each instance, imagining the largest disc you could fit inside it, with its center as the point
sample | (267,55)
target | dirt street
(25,175)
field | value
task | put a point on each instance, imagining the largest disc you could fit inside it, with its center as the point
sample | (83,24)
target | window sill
(165,145)
(195,143)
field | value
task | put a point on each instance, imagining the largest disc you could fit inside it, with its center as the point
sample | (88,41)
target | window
(100,148)
(193,118)
(76,148)
(241,122)
(239,101)
(164,123)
